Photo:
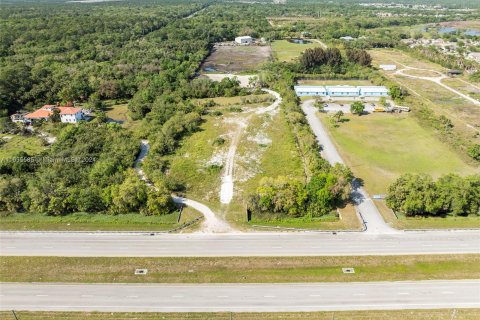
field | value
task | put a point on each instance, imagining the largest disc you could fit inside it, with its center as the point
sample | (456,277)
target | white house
(388,67)
(342,91)
(18,117)
(244,40)
(67,114)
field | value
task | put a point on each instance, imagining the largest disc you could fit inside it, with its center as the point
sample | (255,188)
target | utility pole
(13,312)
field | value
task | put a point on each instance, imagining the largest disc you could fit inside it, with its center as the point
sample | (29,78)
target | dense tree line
(420,195)
(87,169)
(321,194)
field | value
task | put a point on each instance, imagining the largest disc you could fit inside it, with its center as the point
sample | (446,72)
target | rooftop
(46,111)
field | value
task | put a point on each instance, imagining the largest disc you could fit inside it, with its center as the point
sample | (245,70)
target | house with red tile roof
(67,114)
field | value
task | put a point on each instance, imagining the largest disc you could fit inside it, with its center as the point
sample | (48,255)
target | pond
(470,32)
(299,41)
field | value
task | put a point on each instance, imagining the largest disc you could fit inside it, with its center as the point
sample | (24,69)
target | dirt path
(211,223)
(324,46)
(437,80)
(227,186)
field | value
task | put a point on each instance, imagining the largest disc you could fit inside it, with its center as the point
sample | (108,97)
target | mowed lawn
(438,314)
(380,147)
(15,143)
(287,51)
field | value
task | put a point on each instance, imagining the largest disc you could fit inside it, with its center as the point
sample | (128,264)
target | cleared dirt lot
(236,58)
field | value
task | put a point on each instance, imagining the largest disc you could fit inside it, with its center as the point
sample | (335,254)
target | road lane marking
(448,292)
(269,296)
(403,293)
(177,296)
(315,295)
(222,296)
(359,294)
(86,295)
(131,296)
(42,295)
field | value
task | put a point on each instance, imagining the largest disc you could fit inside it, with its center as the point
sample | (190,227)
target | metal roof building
(342,91)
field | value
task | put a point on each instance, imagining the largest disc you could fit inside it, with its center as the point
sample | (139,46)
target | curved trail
(437,80)
(371,216)
(226,188)
(211,223)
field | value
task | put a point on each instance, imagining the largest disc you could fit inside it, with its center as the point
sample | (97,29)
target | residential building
(18,117)
(67,114)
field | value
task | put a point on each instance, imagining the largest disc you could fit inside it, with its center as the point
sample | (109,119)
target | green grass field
(380,147)
(456,314)
(93,222)
(238,269)
(463,113)
(15,143)
(284,50)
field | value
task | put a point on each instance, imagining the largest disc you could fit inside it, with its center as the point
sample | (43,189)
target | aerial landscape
(227,159)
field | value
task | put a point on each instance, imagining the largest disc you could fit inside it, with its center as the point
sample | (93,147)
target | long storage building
(342,91)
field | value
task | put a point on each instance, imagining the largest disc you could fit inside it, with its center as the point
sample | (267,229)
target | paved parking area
(345,106)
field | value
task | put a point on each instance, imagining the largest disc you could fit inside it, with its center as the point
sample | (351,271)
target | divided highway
(240,297)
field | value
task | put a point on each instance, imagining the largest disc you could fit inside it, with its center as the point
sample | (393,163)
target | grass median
(457,314)
(238,269)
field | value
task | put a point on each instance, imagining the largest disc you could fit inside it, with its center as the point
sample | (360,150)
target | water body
(209,69)
(470,32)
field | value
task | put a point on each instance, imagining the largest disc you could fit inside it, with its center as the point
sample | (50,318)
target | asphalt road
(240,297)
(236,244)
(371,216)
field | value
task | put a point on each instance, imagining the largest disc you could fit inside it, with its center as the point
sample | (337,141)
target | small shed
(388,67)
(244,40)
(454,72)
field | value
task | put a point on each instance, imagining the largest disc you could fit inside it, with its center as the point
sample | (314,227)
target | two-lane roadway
(78,244)
(240,297)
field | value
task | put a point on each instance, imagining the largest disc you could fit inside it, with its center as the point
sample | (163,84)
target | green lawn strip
(92,222)
(457,314)
(238,269)
(284,50)
(16,143)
